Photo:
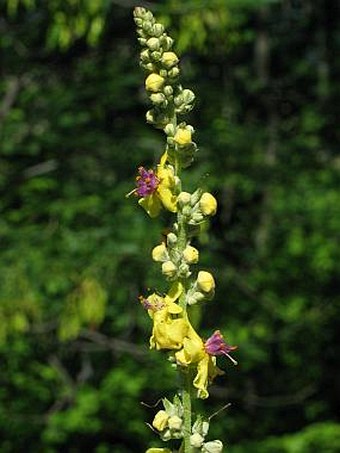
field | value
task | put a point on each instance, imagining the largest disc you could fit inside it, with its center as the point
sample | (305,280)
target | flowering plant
(161,189)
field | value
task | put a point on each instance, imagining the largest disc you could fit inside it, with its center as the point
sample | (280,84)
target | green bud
(145,56)
(183,199)
(153,44)
(156,55)
(188,96)
(158,30)
(138,21)
(169,129)
(168,90)
(167,42)
(196,440)
(184,271)
(157,98)
(215,446)
(171,239)
(142,41)
(147,26)
(174,72)
(163,73)
(149,66)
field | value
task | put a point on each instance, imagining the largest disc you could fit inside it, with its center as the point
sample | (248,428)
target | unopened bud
(183,199)
(168,90)
(175,423)
(174,72)
(158,30)
(190,254)
(215,446)
(160,253)
(171,239)
(153,43)
(169,129)
(169,59)
(196,440)
(169,269)
(205,282)
(157,98)
(166,42)
(154,82)
(145,56)
(161,420)
(208,204)
(188,96)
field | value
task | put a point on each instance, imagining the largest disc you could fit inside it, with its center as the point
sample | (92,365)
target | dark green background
(75,253)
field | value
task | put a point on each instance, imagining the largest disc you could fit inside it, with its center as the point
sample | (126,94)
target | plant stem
(186,399)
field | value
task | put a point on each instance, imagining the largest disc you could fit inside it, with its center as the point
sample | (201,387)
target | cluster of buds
(202,289)
(199,431)
(175,263)
(165,92)
(169,422)
(197,207)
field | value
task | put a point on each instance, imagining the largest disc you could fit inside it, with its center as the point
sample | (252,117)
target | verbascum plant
(161,188)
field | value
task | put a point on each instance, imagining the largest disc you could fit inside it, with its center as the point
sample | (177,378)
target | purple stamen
(215,345)
(147,182)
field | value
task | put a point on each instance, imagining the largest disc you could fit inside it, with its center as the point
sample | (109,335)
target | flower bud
(158,30)
(161,420)
(175,423)
(166,42)
(195,298)
(156,55)
(169,128)
(174,72)
(145,56)
(149,66)
(153,43)
(188,96)
(157,98)
(205,282)
(183,136)
(196,440)
(149,116)
(168,90)
(142,41)
(215,446)
(154,82)
(184,271)
(183,199)
(208,204)
(169,59)
(169,269)
(171,239)
(160,253)
(147,26)
(190,254)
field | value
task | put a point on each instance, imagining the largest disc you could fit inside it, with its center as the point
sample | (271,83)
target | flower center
(147,182)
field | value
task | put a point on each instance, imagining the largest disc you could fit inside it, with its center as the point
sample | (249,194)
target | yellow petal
(174,292)
(151,204)
(168,199)
(161,420)
(168,333)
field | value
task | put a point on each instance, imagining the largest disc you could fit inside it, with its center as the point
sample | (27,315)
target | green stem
(186,399)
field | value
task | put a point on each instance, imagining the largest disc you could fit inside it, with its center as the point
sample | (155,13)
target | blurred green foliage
(75,253)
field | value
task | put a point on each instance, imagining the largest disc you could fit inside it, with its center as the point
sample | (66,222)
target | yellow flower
(154,82)
(183,136)
(194,353)
(208,204)
(169,327)
(205,282)
(156,194)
